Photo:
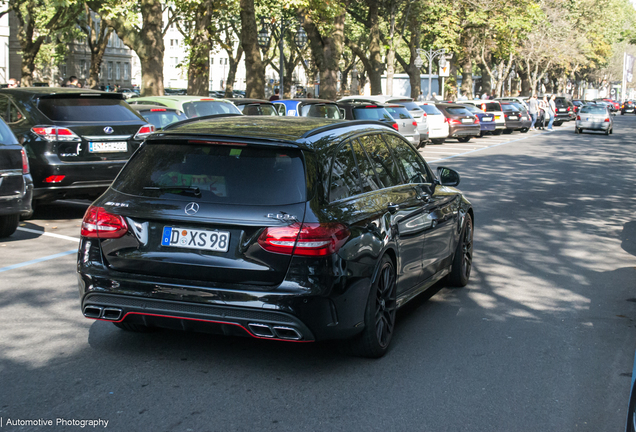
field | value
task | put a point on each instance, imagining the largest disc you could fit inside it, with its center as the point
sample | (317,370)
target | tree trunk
(254,67)
(525,82)
(390,55)
(486,86)
(97,36)
(199,62)
(29,54)
(326,51)
(231,74)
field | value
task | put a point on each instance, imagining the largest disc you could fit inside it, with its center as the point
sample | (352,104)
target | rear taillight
(54,179)
(157,109)
(25,162)
(98,223)
(454,121)
(505,115)
(307,239)
(607,120)
(476,120)
(578,117)
(568,109)
(415,123)
(395,126)
(52,133)
(424,115)
(144,131)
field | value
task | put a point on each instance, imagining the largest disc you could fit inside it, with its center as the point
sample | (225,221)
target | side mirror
(447,176)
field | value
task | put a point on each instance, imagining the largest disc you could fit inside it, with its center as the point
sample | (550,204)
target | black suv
(76,140)
(628,107)
(282,228)
(565,110)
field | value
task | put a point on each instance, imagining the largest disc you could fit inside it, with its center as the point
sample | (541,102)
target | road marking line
(489,147)
(39,260)
(60,236)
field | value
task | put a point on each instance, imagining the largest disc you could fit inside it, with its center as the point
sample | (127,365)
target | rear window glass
(259,109)
(222,173)
(431,110)
(161,119)
(593,110)
(329,111)
(86,109)
(400,113)
(411,106)
(458,111)
(473,109)
(206,108)
(372,114)
(490,106)
(509,108)
(6,136)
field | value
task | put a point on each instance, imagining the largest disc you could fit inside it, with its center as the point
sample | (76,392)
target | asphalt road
(541,339)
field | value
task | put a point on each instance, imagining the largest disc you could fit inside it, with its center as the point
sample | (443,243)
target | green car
(192,106)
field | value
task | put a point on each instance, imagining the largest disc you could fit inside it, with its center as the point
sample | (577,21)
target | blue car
(319,108)
(486,119)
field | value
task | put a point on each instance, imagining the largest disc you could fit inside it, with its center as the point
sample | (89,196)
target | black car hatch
(196,211)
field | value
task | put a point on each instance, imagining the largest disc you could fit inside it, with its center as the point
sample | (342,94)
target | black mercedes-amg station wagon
(293,229)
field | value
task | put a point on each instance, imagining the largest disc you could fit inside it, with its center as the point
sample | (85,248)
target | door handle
(392,208)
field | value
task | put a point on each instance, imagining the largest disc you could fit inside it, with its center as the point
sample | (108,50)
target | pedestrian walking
(434,97)
(543,112)
(275,96)
(484,96)
(533,109)
(551,111)
(421,97)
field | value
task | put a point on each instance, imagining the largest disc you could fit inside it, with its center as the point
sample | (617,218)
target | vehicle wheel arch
(392,254)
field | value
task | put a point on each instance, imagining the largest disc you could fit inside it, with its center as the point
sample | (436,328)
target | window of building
(110,70)
(171,42)
(63,71)
(110,41)
(211,60)
(83,69)
(126,71)
(118,71)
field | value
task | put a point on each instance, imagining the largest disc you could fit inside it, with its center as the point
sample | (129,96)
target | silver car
(594,117)
(407,125)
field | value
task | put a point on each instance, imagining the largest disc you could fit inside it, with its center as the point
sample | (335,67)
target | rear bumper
(461,131)
(20,202)
(591,125)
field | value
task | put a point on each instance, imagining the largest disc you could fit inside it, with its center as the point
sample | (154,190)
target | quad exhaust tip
(267,331)
(97,312)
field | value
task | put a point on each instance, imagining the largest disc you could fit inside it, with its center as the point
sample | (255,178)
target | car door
(405,208)
(439,208)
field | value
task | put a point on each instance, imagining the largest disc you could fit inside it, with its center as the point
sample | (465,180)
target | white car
(437,123)
(414,109)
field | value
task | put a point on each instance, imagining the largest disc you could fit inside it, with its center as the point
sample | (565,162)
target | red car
(617,106)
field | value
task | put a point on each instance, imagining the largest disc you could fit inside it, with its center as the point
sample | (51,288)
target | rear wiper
(182,190)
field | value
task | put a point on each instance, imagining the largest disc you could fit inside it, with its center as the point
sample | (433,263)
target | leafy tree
(97,35)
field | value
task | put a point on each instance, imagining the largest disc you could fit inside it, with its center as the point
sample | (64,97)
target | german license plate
(216,241)
(524,118)
(514,118)
(486,118)
(471,121)
(107,147)
(562,109)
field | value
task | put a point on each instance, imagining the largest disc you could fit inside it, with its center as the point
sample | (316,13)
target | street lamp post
(430,56)
(264,39)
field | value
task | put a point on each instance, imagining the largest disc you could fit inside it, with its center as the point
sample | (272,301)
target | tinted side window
(368,178)
(382,160)
(14,113)
(411,164)
(344,181)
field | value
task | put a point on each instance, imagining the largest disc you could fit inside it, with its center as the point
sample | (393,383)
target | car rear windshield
(206,108)
(6,135)
(490,106)
(399,113)
(458,111)
(509,108)
(593,110)
(431,110)
(329,111)
(86,109)
(411,106)
(161,117)
(259,109)
(473,109)
(225,174)
(372,114)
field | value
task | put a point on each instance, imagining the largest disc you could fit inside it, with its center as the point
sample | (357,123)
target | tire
(611,130)
(607,132)
(422,144)
(557,123)
(524,130)
(438,140)
(464,139)
(577,130)
(463,259)
(379,316)
(497,131)
(8,224)
(507,131)
(135,328)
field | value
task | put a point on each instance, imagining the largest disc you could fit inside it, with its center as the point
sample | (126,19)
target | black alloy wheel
(463,260)
(379,316)
(464,139)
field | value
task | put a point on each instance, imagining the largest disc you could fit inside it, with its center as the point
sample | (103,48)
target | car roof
(33,92)
(378,98)
(292,130)
(304,100)
(356,104)
(179,98)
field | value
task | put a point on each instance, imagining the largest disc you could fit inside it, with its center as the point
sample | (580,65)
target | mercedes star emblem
(109,130)
(192,208)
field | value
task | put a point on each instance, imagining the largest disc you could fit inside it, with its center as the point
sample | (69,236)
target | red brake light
(483,107)
(568,108)
(454,121)
(476,120)
(607,120)
(307,239)
(578,117)
(144,131)
(395,126)
(157,109)
(25,162)
(415,123)
(52,133)
(370,106)
(54,179)
(424,114)
(98,223)
(505,115)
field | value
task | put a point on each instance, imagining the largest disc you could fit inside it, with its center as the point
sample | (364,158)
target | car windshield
(431,110)
(458,111)
(473,109)
(205,108)
(372,114)
(220,173)
(321,110)
(399,113)
(259,109)
(411,106)
(161,117)
(86,109)
(490,106)
(509,108)
(590,109)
